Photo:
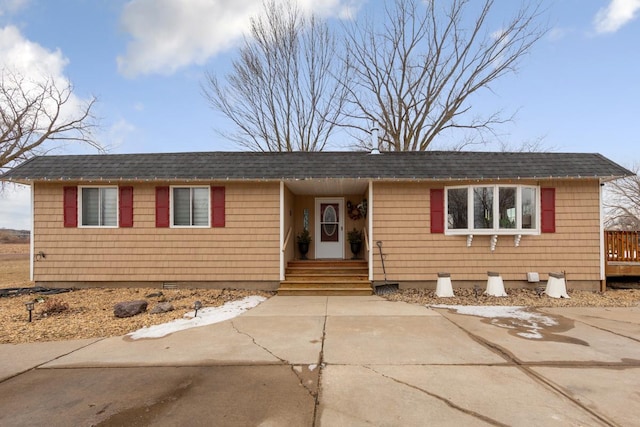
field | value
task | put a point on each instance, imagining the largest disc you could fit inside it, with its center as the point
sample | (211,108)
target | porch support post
(370,226)
(603,277)
(281,231)
(33,229)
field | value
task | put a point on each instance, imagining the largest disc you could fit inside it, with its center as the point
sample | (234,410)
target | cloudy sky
(144,60)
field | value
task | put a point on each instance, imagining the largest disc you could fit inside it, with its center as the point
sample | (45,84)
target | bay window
(492,209)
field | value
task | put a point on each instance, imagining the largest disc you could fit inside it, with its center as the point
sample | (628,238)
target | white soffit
(327,186)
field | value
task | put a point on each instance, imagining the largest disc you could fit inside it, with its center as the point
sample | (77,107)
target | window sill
(527,232)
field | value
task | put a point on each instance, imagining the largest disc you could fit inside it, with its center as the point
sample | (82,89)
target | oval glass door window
(329,229)
(329,223)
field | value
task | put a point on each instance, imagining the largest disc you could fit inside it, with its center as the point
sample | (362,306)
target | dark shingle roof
(429,165)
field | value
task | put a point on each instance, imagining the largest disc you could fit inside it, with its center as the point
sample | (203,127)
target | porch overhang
(327,186)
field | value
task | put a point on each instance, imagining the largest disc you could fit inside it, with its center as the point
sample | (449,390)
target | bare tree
(534,145)
(622,203)
(286,90)
(33,112)
(415,76)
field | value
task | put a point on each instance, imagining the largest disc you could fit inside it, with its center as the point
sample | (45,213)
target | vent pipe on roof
(375,144)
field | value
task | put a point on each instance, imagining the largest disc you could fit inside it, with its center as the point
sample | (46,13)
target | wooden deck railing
(622,246)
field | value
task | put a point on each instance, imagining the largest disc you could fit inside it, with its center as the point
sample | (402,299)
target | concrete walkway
(338,361)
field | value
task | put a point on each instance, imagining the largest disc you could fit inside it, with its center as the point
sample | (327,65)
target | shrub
(53,306)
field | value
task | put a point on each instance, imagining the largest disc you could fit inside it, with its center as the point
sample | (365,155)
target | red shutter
(437,210)
(217,207)
(162,206)
(70,206)
(126,206)
(548,210)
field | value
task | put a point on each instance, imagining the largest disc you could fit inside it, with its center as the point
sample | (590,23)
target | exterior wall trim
(370,226)
(281,252)
(33,229)
(603,276)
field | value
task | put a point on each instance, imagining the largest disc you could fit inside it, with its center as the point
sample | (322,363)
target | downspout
(370,225)
(281,231)
(603,277)
(33,229)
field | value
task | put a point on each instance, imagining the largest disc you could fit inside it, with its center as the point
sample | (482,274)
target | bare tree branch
(415,77)
(622,203)
(287,89)
(34,112)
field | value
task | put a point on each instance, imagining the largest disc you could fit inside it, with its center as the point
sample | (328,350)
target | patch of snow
(498,311)
(206,316)
(509,317)
(531,335)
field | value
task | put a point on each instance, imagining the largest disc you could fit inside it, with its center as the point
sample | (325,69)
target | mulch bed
(88,313)
(523,297)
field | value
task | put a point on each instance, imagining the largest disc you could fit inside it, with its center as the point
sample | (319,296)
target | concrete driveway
(339,361)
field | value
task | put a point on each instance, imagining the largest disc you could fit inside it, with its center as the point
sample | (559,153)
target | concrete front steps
(326,277)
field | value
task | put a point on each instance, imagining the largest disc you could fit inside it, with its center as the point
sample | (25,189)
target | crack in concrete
(301,380)
(253,340)
(524,367)
(320,365)
(605,329)
(441,398)
(51,360)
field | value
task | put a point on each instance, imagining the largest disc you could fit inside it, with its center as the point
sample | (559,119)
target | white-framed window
(492,209)
(190,206)
(98,206)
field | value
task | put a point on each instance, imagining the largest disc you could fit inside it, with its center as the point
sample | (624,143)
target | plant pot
(355,249)
(303,248)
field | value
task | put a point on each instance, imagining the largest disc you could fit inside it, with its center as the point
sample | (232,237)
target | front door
(329,228)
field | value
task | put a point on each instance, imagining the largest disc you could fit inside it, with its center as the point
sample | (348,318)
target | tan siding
(246,249)
(401,220)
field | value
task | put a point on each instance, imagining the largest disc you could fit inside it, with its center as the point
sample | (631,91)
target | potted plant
(355,240)
(303,238)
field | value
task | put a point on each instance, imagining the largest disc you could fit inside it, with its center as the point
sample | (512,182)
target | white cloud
(30,59)
(170,34)
(36,65)
(618,13)
(15,207)
(559,33)
(118,133)
(12,6)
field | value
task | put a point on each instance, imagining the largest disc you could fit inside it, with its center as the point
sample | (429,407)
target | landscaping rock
(154,295)
(129,308)
(162,307)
